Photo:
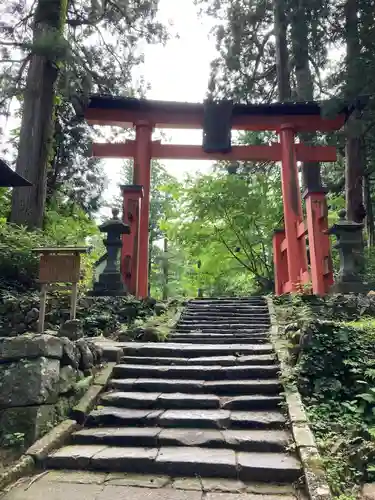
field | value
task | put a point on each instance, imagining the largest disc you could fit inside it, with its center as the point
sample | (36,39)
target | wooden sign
(59,265)
(59,268)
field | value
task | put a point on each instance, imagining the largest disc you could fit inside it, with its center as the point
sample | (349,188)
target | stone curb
(315,480)
(21,468)
(54,439)
(80,411)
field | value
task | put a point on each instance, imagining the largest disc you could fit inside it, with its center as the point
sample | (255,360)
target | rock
(21,328)
(368,491)
(87,358)
(30,346)
(96,352)
(32,315)
(72,329)
(71,354)
(29,382)
(160,308)
(33,421)
(68,378)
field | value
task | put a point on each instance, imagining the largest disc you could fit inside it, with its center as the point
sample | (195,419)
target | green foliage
(225,222)
(335,374)
(18,262)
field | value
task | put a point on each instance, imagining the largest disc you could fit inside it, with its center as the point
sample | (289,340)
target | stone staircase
(206,403)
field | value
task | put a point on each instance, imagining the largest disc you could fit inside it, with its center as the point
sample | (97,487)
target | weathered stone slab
(79,477)
(214,360)
(257,420)
(29,382)
(222,485)
(191,401)
(30,346)
(262,440)
(197,461)
(124,436)
(53,490)
(73,457)
(124,459)
(169,385)
(140,480)
(280,467)
(271,386)
(218,419)
(191,437)
(137,400)
(188,483)
(109,416)
(134,493)
(251,402)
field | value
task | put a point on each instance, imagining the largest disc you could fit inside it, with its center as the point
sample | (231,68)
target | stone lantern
(349,244)
(110,281)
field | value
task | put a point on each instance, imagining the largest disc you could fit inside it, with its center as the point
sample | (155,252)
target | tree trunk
(311,178)
(282,56)
(165,269)
(354,165)
(369,211)
(37,118)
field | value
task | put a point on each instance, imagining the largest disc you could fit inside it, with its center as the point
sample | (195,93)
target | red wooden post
(129,253)
(320,257)
(293,216)
(280,262)
(141,176)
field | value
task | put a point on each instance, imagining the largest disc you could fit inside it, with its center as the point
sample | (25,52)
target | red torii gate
(287,119)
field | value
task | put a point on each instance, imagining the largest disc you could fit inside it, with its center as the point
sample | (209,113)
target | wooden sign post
(59,265)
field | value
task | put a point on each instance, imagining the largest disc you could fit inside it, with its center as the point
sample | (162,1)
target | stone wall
(41,378)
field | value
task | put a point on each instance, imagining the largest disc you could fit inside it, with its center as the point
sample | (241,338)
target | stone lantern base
(109,285)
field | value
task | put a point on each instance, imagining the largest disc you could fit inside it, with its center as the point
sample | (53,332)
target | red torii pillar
(132,203)
(142,177)
(293,215)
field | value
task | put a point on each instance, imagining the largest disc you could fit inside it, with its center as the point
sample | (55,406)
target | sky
(178,71)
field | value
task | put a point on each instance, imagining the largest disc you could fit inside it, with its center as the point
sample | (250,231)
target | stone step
(228,300)
(229,315)
(225,321)
(219,387)
(227,307)
(191,350)
(157,437)
(261,359)
(178,400)
(206,419)
(193,335)
(224,339)
(202,372)
(179,461)
(221,331)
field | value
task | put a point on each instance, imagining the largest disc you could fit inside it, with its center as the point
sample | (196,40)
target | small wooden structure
(59,265)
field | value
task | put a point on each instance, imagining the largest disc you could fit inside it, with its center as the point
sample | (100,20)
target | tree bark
(282,55)
(165,269)
(311,178)
(369,211)
(37,118)
(354,164)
